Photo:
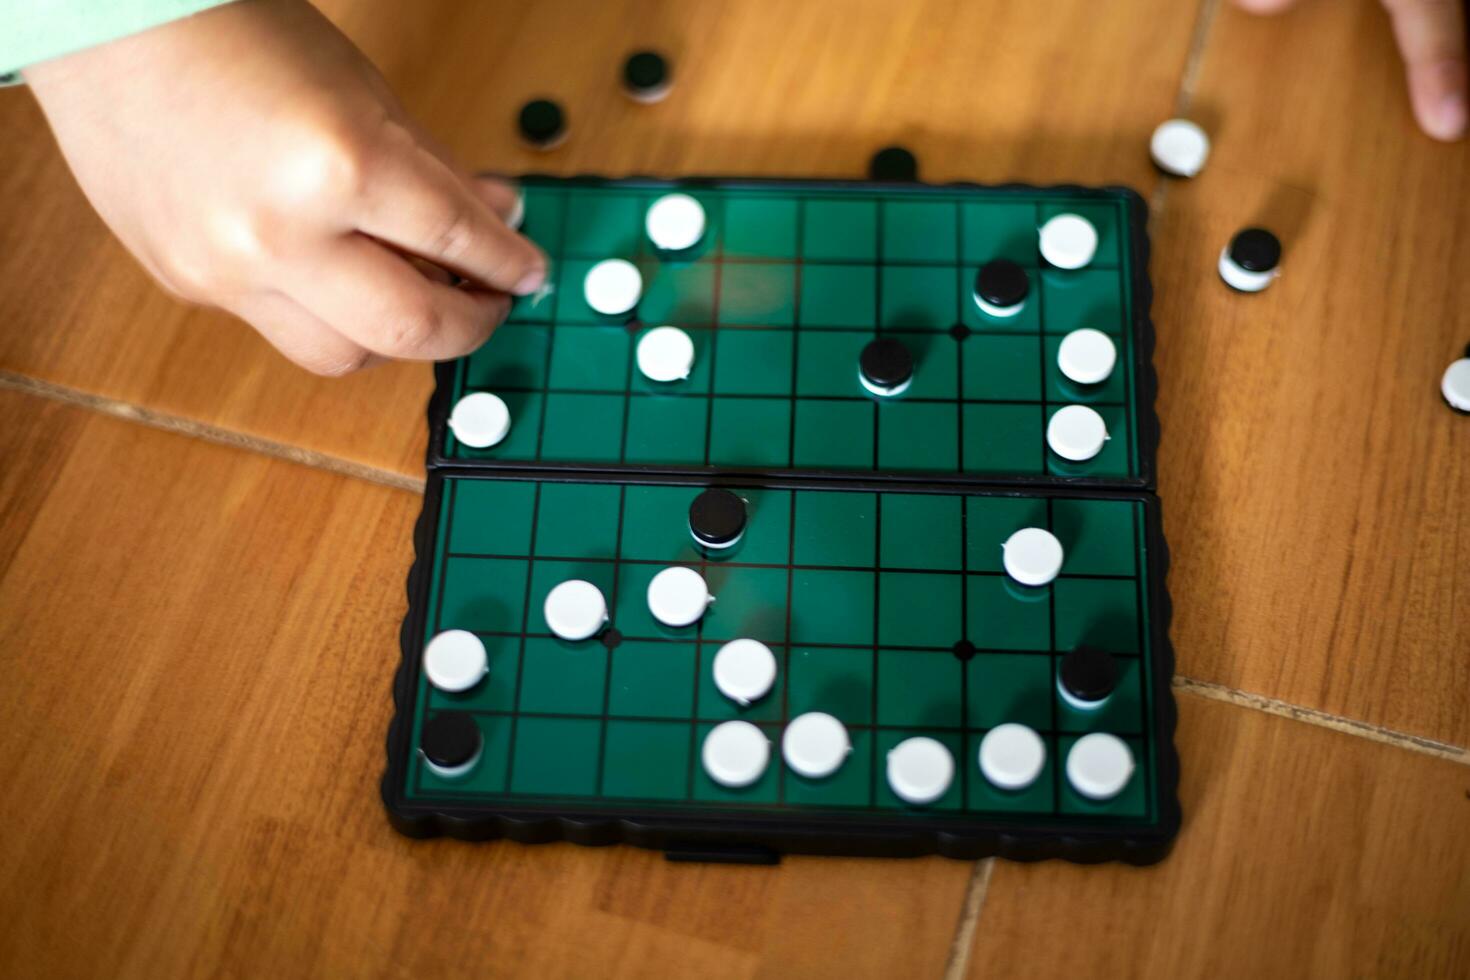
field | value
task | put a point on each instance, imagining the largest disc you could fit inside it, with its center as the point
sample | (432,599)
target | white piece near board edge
(1179,147)
(1087,356)
(1033,556)
(1076,433)
(455,661)
(735,753)
(575,610)
(1012,756)
(920,770)
(1455,385)
(613,287)
(678,596)
(1099,766)
(665,354)
(1068,241)
(675,222)
(480,420)
(744,670)
(815,745)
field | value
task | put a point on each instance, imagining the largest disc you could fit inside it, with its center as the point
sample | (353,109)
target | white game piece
(453,772)
(517,216)
(1251,261)
(1180,147)
(455,660)
(1456,385)
(677,596)
(1087,356)
(613,287)
(920,770)
(575,610)
(665,354)
(675,222)
(744,670)
(1076,432)
(480,420)
(815,744)
(1099,766)
(1012,756)
(1068,241)
(735,753)
(1033,556)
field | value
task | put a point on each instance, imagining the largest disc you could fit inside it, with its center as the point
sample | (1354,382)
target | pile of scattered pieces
(816,745)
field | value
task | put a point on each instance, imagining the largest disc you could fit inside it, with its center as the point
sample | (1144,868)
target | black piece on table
(1089,673)
(1255,250)
(646,74)
(1001,282)
(542,123)
(893,163)
(717,517)
(886,362)
(450,739)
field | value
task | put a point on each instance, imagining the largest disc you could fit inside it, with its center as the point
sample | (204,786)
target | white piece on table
(735,753)
(1179,147)
(1033,556)
(455,661)
(1455,385)
(575,610)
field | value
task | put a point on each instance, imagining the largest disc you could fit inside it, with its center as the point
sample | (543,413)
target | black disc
(450,738)
(893,163)
(887,363)
(717,517)
(542,121)
(1089,673)
(1001,282)
(1255,250)
(645,71)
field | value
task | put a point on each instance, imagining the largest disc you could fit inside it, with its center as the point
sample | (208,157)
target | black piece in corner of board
(893,163)
(1089,673)
(450,738)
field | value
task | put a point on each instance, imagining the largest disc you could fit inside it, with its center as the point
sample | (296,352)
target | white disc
(920,770)
(1087,356)
(678,596)
(675,222)
(735,753)
(1012,756)
(1076,432)
(1180,147)
(480,420)
(1241,278)
(1033,556)
(517,216)
(1099,766)
(455,660)
(665,354)
(815,744)
(1456,384)
(745,670)
(575,610)
(1068,241)
(613,287)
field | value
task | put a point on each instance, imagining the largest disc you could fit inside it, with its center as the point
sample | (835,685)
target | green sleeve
(35,30)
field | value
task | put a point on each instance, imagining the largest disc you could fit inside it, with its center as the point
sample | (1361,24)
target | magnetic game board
(870,563)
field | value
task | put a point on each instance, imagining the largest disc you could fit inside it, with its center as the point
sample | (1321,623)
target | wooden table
(203,550)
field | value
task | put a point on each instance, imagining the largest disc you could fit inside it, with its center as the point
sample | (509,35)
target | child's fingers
(1265,6)
(420,205)
(1431,36)
(502,196)
(302,336)
(377,300)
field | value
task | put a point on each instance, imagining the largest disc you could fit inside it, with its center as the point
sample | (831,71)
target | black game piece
(1002,283)
(542,123)
(1255,250)
(717,518)
(1089,673)
(646,76)
(893,163)
(450,739)
(887,366)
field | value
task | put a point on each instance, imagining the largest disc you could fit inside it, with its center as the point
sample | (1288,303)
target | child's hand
(1431,37)
(252,158)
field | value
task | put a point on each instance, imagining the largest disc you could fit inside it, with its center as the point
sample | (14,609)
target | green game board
(789,284)
(871,564)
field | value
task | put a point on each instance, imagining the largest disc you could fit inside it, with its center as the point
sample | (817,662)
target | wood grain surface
(197,639)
